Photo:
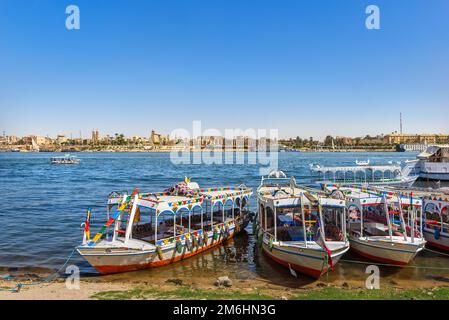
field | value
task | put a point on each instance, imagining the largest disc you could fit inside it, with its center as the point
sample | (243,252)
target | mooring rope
(49,279)
(393,265)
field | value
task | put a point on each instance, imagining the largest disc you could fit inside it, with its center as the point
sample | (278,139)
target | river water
(43,206)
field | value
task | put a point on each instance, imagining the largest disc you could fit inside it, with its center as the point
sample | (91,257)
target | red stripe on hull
(307,271)
(379,259)
(135,267)
(438,245)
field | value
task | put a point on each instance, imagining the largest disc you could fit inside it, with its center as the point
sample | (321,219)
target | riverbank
(108,288)
(202,150)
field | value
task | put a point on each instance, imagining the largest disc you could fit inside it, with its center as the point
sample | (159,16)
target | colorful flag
(86,225)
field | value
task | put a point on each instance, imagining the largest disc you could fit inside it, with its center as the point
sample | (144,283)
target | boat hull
(308,261)
(115,260)
(440,242)
(399,254)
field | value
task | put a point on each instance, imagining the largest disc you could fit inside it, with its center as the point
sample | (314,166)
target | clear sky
(306,67)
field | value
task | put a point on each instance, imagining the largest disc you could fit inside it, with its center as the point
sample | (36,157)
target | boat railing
(185,235)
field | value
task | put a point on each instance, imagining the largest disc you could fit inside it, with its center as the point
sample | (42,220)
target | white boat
(365,174)
(382,226)
(302,231)
(66,159)
(436,221)
(362,163)
(434,163)
(154,229)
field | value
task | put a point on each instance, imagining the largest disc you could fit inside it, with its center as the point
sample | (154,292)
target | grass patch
(4,289)
(333,293)
(180,293)
(329,293)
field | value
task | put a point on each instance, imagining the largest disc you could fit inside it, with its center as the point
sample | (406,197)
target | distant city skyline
(308,69)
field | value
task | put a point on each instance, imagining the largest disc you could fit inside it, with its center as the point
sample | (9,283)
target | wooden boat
(154,229)
(383,227)
(300,230)
(436,221)
(66,159)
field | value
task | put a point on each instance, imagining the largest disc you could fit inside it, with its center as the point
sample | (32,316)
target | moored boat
(383,227)
(153,229)
(436,221)
(300,230)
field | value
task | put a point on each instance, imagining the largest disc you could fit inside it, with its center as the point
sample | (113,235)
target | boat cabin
(162,217)
(290,213)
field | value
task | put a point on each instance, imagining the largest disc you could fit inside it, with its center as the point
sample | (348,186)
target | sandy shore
(201,287)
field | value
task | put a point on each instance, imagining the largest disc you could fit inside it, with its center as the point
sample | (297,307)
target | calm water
(43,206)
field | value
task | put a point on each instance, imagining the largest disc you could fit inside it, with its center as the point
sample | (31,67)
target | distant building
(157,138)
(95,136)
(61,139)
(397,138)
(12,139)
(212,141)
(344,141)
(39,140)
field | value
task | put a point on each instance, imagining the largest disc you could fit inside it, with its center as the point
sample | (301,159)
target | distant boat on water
(67,159)
(365,173)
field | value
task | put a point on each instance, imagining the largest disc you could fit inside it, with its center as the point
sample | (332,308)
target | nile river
(43,206)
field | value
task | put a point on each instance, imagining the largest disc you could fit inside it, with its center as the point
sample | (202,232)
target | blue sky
(308,68)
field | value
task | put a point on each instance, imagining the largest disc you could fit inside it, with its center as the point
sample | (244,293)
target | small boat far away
(66,159)
(300,230)
(154,229)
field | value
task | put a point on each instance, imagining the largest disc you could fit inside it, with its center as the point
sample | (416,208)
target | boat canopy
(166,202)
(361,197)
(283,192)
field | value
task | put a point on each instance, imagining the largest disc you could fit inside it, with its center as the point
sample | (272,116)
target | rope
(393,265)
(49,279)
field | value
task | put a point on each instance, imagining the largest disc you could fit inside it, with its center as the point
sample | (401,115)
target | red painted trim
(379,259)
(116,269)
(438,245)
(307,271)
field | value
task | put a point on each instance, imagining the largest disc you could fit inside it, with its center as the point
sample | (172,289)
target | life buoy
(159,253)
(178,246)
